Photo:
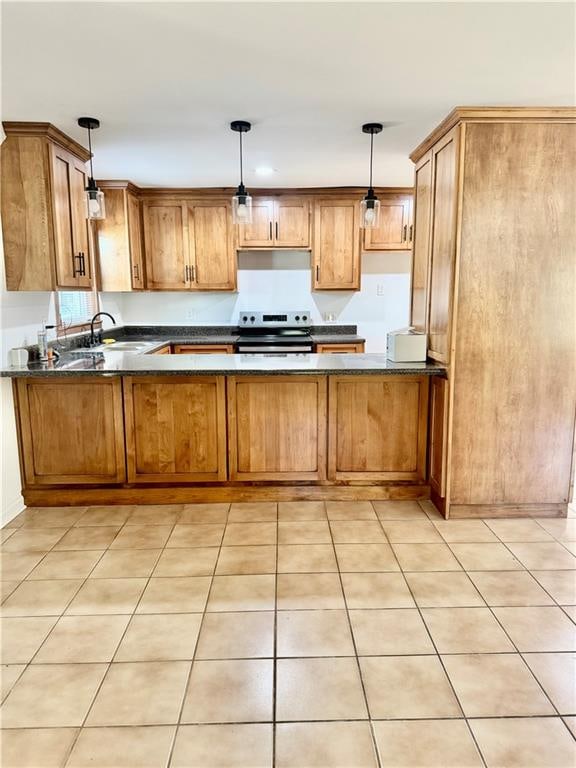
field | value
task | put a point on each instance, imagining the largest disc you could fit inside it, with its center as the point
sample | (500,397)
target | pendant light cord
(90,150)
(371,156)
(241,166)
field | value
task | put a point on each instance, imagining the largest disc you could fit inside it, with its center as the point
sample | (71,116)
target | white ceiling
(165,79)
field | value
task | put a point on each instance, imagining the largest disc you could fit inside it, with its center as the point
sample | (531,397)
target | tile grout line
(189,675)
(357,659)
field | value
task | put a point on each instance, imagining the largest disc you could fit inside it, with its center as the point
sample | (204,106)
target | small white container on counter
(406,346)
(18,357)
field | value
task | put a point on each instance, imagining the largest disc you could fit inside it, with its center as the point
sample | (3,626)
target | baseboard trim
(57,497)
(508,510)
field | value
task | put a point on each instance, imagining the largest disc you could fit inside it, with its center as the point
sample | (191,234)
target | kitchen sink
(123,346)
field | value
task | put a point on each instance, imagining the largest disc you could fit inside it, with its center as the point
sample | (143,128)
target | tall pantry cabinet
(493,286)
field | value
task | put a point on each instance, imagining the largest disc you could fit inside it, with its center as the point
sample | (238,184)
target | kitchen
(216,421)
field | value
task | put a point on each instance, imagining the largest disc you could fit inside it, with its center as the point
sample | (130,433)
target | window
(75,309)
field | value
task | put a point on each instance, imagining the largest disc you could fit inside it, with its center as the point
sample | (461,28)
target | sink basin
(123,346)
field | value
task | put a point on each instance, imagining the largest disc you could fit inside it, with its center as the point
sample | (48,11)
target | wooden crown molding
(118,184)
(219,192)
(48,131)
(493,115)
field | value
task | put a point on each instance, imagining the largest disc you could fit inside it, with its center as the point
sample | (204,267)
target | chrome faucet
(97,315)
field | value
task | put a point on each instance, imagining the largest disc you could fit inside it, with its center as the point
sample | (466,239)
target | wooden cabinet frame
(203,349)
(337,474)
(28,428)
(269,210)
(340,251)
(235,432)
(375,240)
(339,349)
(134,476)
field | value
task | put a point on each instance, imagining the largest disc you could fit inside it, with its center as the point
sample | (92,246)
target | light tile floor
(302,634)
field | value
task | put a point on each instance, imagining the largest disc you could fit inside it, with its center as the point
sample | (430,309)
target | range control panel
(274,319)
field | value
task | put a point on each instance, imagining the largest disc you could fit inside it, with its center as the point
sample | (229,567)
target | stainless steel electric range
(274,333)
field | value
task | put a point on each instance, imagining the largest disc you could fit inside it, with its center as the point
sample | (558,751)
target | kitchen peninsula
(146,428)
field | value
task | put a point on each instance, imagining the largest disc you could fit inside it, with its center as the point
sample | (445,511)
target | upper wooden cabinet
(336,245)
(394,232)
(47,237)
(189,245)
(120,251)
(277,222)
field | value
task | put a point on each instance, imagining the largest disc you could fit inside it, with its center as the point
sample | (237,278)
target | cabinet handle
(136,272)
(411,232)
(193,273)
(186,273)
(276,230)
(83,263)
(270,230)
(75,271)
(317,273)
(404,232)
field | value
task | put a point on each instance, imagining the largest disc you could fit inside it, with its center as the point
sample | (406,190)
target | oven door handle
(274,348)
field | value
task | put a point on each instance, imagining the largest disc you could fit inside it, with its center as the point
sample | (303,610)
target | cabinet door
(339,349)
(72,431)
(167,265)
(68,261)
(393,231)
(135,239)
(277,427)
(259,234)
(336,249)
(203,349)
(421,249)
(443,251)
(292,222)
(211,245)
(438,437)
(81,232)
(175,428)
(377,427)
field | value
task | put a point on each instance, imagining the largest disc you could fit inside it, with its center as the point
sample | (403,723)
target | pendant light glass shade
(95,207)
(370,211)
(370,205)
(242,206)
(242,201)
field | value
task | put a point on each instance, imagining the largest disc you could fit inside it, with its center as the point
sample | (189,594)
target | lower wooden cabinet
(277,427)
(175,428)
(71,431)
(203,349)
(438,432)
(377,427)
(339,349)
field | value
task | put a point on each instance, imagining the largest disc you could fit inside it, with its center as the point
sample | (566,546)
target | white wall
(277,280)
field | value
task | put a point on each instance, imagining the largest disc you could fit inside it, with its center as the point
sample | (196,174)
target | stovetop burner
(260,332)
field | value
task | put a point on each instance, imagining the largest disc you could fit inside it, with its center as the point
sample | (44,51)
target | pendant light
(370,205)
(95,208)
(241,202)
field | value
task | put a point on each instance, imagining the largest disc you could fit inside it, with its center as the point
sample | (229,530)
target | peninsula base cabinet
(175,428)
(377,428)
(277,427)
(494,285)
(71,431)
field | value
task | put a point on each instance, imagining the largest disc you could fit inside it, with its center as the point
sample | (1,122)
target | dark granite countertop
(143,362)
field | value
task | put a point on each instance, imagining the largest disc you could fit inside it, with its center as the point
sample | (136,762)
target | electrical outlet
(191,316)
(379,290)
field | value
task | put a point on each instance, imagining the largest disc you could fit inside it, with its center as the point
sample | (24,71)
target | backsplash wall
(280,280)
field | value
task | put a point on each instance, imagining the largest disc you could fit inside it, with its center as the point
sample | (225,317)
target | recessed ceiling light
(264,170)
